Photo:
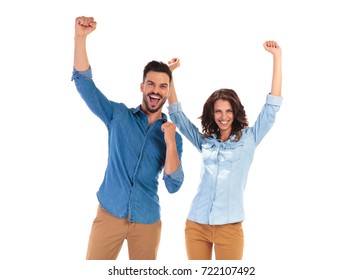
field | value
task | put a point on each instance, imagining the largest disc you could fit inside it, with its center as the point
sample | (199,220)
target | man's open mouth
(154,99)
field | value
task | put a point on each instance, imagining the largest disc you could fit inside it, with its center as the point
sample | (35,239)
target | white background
(303,208)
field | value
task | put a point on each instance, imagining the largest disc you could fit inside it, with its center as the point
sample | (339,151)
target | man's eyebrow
(152,82)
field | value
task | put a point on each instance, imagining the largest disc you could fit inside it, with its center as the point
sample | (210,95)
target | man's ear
(141,87)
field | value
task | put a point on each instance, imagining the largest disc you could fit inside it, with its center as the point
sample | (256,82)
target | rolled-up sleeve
(274,100)
(87,74)
(174,180)
(173,108)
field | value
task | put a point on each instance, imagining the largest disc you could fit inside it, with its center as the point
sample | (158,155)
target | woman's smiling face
(223,116)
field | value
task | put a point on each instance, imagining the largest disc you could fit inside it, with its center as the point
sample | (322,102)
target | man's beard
(149,107)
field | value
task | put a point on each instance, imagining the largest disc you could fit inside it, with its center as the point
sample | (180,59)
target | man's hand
(172,161)
(84,26)
(173,64)
(272,47)
(169,130)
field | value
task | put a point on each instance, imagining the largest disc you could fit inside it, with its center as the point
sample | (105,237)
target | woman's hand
(173,64)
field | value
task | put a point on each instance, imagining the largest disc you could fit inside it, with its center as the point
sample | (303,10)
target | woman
(227,145)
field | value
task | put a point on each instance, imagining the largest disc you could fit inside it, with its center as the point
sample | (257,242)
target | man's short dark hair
(157,66)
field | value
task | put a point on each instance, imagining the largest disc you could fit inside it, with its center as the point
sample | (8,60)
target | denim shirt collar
(138,110)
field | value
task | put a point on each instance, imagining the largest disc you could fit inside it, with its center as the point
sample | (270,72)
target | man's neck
(152,117)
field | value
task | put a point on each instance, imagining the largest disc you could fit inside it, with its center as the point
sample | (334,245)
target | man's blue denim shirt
(225,165)
(136,156)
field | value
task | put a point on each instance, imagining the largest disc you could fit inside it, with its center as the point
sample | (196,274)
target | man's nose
(156,90)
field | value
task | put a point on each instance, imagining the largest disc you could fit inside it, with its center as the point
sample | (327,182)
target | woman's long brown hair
(208,123)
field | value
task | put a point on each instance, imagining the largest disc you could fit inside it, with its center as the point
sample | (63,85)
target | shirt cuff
(274,100)
(86,74)
(177,175)
(175,107)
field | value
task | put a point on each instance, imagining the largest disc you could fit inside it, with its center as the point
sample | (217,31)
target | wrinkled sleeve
(187,128)
(174,180)
(93,97)
(266,118)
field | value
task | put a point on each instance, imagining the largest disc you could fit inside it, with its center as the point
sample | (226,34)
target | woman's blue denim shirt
(136,156)
(225,165)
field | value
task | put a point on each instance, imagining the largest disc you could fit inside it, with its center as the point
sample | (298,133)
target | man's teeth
(155,97)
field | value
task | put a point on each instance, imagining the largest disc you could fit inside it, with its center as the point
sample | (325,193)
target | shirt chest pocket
(213,153)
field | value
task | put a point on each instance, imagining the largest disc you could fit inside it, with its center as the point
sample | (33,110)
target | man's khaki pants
(108,233)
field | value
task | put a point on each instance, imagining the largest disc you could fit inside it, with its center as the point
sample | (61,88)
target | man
(141,144)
